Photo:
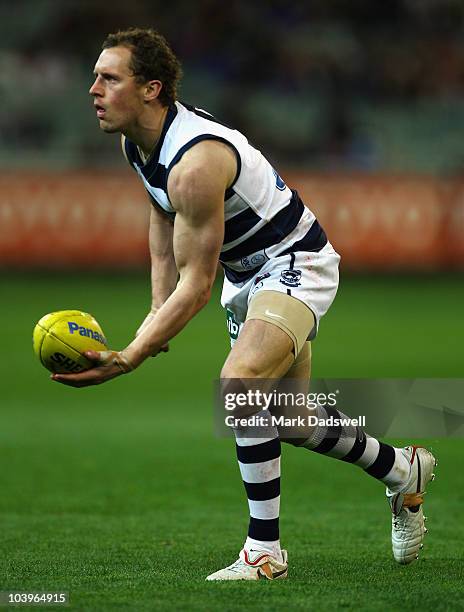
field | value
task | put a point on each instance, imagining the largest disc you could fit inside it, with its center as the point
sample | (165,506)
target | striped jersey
(263,217)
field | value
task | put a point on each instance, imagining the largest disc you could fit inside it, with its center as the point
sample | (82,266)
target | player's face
(118,99)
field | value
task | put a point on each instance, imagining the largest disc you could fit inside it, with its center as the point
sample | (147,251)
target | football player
(216,198)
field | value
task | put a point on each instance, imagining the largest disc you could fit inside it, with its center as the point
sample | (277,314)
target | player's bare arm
(196,189)
(164,273)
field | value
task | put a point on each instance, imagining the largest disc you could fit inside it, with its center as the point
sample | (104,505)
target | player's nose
(95,90)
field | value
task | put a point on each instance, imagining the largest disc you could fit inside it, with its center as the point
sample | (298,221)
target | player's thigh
(262,350)
(274,332)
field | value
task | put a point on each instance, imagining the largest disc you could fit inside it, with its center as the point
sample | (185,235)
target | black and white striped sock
(352,444)
(259,462)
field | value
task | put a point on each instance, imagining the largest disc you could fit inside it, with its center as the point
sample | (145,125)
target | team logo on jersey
(290,278)
(279,182)
(258,259)
(233,325)
(253,261)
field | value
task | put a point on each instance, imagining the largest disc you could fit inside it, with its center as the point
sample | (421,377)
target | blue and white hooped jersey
(263,217)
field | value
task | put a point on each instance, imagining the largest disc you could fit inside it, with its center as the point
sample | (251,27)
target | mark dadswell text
(270,420)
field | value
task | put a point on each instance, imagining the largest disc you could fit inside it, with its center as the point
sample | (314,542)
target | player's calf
(352,445)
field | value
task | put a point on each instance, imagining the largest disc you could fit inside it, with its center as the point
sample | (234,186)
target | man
(216,198)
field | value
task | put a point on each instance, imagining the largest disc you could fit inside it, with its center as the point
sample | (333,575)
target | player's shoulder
(205,160)
(194,122)
(200,143)
(201,177)
(206,153)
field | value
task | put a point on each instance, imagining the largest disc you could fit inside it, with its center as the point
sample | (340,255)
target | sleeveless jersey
(263,217)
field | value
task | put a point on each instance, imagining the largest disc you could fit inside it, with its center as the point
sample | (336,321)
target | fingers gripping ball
(60,338)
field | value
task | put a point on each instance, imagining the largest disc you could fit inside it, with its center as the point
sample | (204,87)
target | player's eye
(109,78)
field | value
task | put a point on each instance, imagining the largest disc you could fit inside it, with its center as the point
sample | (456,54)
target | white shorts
(310,277)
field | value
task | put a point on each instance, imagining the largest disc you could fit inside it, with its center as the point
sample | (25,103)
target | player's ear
(152,90)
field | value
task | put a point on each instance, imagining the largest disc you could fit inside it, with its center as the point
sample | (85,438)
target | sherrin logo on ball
(60,338)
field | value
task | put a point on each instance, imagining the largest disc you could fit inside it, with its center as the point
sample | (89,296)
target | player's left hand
(107,365)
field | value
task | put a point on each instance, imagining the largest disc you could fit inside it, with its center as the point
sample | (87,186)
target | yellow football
(60,338)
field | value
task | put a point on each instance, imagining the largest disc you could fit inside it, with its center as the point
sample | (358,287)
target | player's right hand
(106,365)
(148,319)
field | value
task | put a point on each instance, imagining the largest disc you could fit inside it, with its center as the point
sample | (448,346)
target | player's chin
(108,127)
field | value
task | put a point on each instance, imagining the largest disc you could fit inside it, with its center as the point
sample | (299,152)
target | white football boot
(253,565)
(408,528)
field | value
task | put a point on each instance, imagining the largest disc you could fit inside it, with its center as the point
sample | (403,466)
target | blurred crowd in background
(321,85)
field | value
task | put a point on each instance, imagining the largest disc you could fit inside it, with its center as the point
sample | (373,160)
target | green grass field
(122,496)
